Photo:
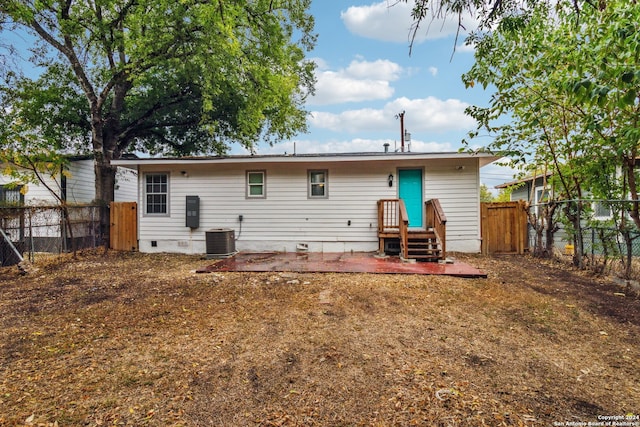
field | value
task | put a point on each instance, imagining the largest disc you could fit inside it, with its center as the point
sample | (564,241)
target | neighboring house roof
(520,181)
(483,158)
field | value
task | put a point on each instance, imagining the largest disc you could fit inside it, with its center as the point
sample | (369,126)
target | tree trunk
(105,185)
(628,240)
(551,228)
(578,241)
(105,148)
(537,226)
(67,223)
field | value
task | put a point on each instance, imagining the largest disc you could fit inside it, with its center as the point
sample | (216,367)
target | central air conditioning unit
(220,242)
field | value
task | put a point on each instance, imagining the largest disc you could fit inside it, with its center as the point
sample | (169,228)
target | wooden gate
(123,234)
(504,228)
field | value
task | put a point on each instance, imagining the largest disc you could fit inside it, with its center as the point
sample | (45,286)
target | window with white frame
(601,210)
(256,184)
(157,193)
(318,184)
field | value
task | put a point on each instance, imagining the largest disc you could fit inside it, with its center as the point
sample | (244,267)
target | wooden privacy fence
(123,232)
(504,228)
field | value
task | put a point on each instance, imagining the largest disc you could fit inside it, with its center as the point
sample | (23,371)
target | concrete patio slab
(337,263)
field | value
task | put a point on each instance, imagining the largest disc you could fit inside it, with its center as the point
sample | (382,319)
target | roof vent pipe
(386,147)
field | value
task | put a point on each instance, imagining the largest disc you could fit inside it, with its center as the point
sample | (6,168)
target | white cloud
(382,69)
(466,48)
(350,120)
(433,71)
(321,64)
(433,114)
(428,114)
(360,81)
(391,21)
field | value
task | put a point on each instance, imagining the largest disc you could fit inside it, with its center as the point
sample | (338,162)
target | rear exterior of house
(320,203)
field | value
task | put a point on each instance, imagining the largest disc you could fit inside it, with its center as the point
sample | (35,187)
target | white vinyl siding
(81,187)
(287,215)
(81,180)
(126,185)
(457,190)
(345,221)
(521,193)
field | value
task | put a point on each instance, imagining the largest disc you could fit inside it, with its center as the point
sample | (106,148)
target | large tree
(486,13)
(568,83)
(156,76)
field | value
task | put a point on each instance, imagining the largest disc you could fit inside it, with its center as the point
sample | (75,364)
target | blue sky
(366,76)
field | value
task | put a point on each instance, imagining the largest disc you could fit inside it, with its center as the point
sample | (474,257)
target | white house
(323,202)
(40,228)
(77,186)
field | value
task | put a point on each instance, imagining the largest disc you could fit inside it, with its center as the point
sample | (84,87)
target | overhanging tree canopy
(158,76)
(569,82)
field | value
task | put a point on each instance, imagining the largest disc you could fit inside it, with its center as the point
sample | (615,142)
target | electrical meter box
(193,212)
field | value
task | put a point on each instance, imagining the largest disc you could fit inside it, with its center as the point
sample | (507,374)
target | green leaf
(630,97)
(627,77)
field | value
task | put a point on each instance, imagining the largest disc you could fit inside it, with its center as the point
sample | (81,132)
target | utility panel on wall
(193,212)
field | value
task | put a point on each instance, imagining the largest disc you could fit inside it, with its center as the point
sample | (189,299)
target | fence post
(31,245)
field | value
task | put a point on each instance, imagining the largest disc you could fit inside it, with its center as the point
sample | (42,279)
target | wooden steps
(423,245)
(427,244)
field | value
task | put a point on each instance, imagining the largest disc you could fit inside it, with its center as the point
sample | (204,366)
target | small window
(256,184)
(601,210)
(318,184)
(11,195)
(157,192)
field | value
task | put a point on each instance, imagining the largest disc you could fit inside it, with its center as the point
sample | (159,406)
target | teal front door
(410,190)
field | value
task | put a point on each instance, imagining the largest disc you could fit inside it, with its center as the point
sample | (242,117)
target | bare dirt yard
(135,339)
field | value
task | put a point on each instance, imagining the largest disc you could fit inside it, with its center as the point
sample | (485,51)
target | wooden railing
(388,214)
(404,230)
(437,220)
(394,220)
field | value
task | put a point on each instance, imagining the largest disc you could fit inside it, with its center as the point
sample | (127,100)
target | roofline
(525,179)
(484,158)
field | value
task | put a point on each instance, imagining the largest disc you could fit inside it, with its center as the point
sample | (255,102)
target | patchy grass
(135,339)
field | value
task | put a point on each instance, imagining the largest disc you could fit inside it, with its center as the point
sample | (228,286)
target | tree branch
(126,134)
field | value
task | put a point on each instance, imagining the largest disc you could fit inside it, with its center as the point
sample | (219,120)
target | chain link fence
(603,246)
(44,230)
(609,242)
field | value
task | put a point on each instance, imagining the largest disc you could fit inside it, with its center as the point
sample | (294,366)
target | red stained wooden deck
(337,263)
